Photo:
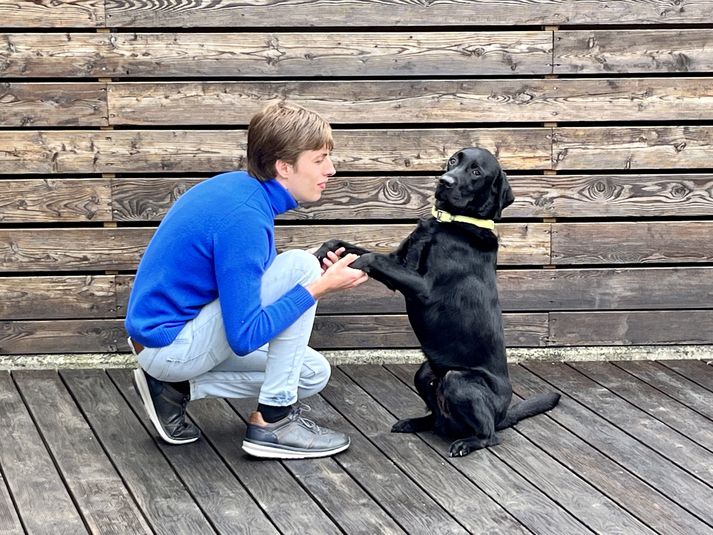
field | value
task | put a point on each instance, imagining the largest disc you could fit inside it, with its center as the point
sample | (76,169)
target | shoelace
(309,424)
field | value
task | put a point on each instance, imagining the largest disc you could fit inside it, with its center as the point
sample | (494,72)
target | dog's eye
(475,171)
(453,161)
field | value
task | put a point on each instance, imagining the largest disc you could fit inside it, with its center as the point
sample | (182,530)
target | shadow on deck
(628,450)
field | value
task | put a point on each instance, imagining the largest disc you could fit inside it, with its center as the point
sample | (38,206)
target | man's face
(307,178)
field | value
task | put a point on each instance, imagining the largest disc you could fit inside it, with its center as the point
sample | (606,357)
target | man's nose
(330,169)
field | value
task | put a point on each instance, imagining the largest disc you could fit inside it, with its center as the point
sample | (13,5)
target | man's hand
(337,275)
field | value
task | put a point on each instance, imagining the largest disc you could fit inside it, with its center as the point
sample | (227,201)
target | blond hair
(281,132)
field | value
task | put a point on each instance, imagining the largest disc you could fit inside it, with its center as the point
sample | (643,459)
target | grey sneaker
(293,437)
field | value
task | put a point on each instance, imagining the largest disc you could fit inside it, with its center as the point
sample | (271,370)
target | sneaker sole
(270,451)
(143,389)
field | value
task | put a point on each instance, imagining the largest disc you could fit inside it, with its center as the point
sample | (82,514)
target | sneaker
(166,408)
(293,437)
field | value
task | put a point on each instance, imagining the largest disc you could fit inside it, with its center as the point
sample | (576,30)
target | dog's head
(474,185)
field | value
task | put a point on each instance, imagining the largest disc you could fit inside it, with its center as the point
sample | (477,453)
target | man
(215,312)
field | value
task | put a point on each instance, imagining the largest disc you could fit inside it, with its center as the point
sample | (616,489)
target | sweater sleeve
(241,252)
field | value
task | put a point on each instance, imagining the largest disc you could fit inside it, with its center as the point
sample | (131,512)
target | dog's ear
(502,193)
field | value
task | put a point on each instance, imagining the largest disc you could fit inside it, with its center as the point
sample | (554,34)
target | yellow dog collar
(445,217)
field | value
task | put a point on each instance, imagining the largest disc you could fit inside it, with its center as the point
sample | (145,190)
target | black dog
(446,271)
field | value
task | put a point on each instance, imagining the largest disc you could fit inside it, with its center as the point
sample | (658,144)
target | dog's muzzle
(447,180)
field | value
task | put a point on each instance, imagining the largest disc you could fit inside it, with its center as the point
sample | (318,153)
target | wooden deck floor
(628,450)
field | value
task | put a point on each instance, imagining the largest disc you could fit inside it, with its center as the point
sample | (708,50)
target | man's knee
(306,264)
(315,376)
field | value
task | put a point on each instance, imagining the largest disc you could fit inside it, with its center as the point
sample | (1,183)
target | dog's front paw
(321,253)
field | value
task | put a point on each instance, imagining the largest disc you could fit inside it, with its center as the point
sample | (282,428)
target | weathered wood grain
(698,371)
(392,13)
(121,248)
(611,195)
(392,484)
(159,492)
(120,55)
(335,489)
(684,419)
(50,104)
(52,13)
(29,471)
(180,490)
(444,482)
(22,337)
(411,197)
(683,389)
(106,504)
(559,289)
(573,494)
(506,486)
(670,147)
(9,521)
(642,500)
(620,328)
(359,331)
(58,297)
(663,242)
(655,434)
(415,101)
(206,151)
(270,483)
(519,289)
(630,454)
(633,51)
(62,336)
(55,200)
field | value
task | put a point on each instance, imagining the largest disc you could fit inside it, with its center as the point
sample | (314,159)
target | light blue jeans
(278,373)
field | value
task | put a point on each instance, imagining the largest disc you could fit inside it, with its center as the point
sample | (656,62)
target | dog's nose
(448,180)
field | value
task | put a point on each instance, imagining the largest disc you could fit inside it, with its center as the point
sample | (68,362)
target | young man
(215,312)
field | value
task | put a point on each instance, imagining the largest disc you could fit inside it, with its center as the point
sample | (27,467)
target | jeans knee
(317,379)
(305,263)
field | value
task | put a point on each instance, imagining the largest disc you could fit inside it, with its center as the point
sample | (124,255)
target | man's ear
(282,168)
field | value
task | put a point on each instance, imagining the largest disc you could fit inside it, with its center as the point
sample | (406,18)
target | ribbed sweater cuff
(301,297)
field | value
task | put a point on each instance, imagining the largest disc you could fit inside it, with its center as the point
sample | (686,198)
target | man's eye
(453,161)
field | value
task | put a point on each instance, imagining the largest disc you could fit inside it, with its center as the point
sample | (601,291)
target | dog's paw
(460,448)
(404,426)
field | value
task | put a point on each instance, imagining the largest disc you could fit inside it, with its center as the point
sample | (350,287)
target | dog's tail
(529,407)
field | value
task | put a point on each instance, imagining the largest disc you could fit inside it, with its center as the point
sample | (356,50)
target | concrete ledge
(385,356)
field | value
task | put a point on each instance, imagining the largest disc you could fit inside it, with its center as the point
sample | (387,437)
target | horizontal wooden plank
(539,290)
(58,297)
(392,13)
(48,104)
(560,289)
(52,13)
(55,200)
(610,195)
(206,151)
(121,248)
(120,55)
(632,243)
(330,332)
(411,197)
(62,336)
(413,101)
(671,147)
(631,51)
(660,327)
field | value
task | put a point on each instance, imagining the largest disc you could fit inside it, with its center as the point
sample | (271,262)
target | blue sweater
(216,240)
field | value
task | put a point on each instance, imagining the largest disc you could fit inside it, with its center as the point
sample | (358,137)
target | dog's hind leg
(463,446)
(426,384)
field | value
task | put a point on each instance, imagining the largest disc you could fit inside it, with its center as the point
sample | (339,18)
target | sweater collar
(280,199)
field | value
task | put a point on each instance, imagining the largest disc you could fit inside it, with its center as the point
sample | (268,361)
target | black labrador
(446,271)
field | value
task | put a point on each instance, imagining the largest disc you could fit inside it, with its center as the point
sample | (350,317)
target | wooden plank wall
(601,112)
